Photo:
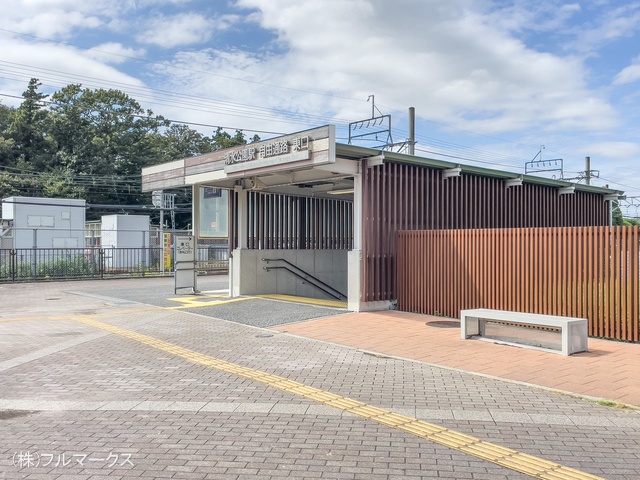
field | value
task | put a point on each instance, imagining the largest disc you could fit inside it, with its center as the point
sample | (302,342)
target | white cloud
(112,52)
(51,23)
(533,15)
(446,59)
(55,19)
(57,66)
(614,150)
(58,18)
(629,74)
(182,29)
(616,23)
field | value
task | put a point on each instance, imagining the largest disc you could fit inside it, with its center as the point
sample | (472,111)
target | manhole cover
(443,324)
(265,335)
(9,414)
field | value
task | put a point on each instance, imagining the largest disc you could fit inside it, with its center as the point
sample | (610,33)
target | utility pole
(588,174)
(412,130)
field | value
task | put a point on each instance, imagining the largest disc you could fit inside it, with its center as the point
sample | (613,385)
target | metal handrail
(328,289)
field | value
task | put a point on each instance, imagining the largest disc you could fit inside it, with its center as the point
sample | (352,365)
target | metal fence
(35,264)
(28,254)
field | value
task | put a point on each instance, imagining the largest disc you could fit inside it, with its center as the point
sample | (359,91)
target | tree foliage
(616,214)
(92,144)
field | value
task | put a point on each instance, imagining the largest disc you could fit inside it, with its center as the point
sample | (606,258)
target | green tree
(93,144)
(103,132)
(104,138)
(630,222)
(14,185)
(222,139)
(7,143)
(59,183)
(181,141)
(27,129)
(617,219)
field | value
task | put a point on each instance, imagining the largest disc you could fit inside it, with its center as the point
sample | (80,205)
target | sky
(494,83)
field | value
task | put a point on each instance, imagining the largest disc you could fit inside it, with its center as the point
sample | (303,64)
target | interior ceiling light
(312,184)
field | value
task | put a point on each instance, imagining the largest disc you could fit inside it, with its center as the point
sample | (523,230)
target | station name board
(267,150)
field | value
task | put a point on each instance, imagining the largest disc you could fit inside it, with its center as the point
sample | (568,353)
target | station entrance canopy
(334,210)
(291,209)
(301,163)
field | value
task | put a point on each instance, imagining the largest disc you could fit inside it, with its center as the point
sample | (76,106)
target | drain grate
(443,324)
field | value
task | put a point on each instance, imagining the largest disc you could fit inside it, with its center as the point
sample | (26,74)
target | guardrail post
(13,264)
(145,252)
(101,262)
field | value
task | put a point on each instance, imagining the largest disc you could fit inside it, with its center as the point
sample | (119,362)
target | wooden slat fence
(586,272)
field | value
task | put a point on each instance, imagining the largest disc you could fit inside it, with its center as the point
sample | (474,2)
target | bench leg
(469,326)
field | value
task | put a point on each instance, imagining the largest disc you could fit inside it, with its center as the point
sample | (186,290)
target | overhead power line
(206,105)
(182,122)
(94,206)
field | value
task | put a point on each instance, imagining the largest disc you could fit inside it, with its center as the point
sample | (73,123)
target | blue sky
(491,81)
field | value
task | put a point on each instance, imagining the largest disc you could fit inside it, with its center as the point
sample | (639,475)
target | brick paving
(608,370)
(69,390)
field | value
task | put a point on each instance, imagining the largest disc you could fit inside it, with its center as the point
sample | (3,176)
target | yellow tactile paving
(23,319)
(307,300)
(75,317)
(195,298)
(198,301)
(506,457)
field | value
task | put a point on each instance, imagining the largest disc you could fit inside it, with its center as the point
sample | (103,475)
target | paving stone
(179,419)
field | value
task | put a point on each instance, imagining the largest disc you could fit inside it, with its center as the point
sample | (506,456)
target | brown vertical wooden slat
(583,273)
(607,283)
(602,236)
(378,241)
(573,249)
(549,264)
(400,272)
(622,266)
(453,265)
(592,279)
(429,300)
(622,283)
(627,314)
(506,253)
(491,263)
(619,321)
(633,281)
(427,265)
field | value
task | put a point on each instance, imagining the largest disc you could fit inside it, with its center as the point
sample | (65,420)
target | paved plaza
(124,379)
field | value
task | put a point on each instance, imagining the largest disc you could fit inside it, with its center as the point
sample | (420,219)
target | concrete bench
(574,331)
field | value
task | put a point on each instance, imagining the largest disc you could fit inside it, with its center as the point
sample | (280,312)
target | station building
(302,208)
